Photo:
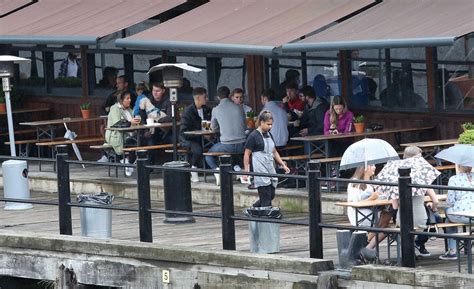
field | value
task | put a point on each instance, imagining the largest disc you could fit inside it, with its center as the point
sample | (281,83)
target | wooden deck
(205,233)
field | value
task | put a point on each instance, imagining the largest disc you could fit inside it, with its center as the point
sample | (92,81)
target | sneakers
(128,171)
(218,178)
(194,176)
(103,159)
(421,251)
(449,255)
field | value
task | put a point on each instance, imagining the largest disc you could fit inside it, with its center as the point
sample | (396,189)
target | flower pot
(3,107)
(85,113)
(359,127)
(250,123)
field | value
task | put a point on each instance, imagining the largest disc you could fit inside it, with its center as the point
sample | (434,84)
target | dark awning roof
(77,21)
(396,23)
(243,27)
(7,6)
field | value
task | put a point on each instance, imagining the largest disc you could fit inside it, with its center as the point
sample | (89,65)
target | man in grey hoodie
(227,118)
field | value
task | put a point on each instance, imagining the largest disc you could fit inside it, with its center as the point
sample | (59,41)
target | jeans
(220,147)
(194,152)
(453,230)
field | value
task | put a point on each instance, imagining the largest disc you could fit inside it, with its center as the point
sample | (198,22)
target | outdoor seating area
(340,130)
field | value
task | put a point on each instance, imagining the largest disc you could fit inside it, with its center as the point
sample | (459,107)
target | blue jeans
(220,147)
(453,230)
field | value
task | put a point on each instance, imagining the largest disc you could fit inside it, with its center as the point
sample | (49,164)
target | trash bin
(264,237)
(15,184)
(96,223)
(177,189)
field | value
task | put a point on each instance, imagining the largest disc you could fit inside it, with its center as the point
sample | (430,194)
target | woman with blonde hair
(358,192)
(338,119)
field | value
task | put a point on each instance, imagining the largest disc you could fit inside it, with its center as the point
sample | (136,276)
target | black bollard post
(227,203)
(406,218)
(64,191)
(144,204)
(314,202)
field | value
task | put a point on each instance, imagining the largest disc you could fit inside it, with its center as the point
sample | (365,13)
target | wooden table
(374,205)
(137,128)
(437,145)
(320,143)
(47,128)
(202,133)
(28,110)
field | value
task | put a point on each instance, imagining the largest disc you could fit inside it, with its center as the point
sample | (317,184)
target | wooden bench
(301,157)
(152,147)
(218,154)
(26,143)
(20,132)
(285,150)
(82,140)
(182,153)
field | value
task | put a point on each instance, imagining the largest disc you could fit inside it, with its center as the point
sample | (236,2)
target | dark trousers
(265,195)
(194,152)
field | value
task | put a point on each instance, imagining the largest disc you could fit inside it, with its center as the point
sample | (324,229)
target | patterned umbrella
(422,173)
(367,152)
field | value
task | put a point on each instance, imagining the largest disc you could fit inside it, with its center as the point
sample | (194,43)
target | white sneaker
(128,171)
(194,176)
(218,178)
(103,159)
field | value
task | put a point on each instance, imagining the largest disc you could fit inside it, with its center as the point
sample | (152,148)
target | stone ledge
(148,251)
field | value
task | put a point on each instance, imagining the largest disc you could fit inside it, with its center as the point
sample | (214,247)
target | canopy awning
(77,21)
(243,26)
(7,6)
(396,23)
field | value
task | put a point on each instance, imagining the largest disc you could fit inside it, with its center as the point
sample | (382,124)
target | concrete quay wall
(134,265)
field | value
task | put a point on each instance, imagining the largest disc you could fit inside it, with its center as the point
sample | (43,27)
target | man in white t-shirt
(70,67)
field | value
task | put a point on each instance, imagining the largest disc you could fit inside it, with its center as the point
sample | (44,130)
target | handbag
(433,218)
(121,124)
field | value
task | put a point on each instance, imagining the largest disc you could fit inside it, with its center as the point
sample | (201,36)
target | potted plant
(250,120)
(467,137)
(359,124)
(467,126)
(3,106)
(86,110)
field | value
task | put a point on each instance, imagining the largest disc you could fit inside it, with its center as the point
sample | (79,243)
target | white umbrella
(367,152)
(70,135)
(460,154)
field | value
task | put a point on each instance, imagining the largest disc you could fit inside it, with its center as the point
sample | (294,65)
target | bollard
(406,218)
(15,184)
(64,191)
(314,203)
(144,204)
(227,203)
(349,245)
(177,187)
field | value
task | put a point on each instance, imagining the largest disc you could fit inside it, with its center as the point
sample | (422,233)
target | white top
(201,113)
(71,68)
(355,194)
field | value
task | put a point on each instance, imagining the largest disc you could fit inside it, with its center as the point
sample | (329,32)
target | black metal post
(406,218)
(64,191)
(144,204)
(175,144)
(227,203)
(314,202)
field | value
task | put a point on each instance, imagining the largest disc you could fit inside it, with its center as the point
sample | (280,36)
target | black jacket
(190,120)
(313,116)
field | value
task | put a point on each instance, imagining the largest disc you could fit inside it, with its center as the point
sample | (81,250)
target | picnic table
(321,143)
(374,206)
(435,144)
(28,110)
(137,128)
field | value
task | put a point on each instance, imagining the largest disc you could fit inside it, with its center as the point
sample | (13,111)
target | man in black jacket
(312,120)
(191,119)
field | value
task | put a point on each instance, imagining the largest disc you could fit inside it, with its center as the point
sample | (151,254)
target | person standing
(191,120)
(227,118)
(279,128)
(261,147)
(70,66)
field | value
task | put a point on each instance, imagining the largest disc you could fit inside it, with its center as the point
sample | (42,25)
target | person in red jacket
(292,103)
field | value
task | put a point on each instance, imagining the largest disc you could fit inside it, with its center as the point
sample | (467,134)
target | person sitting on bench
(191,120)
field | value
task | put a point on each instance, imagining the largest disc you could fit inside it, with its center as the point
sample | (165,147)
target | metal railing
(227,215)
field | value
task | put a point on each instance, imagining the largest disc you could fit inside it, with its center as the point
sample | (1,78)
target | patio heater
(6,71)
(173,79)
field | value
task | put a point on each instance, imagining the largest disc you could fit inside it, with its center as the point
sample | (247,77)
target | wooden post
(255,79)
(346,74)
(85,72)
(430,56)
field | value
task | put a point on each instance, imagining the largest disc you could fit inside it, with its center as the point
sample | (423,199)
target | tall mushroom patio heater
(173,79)
(6,71)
